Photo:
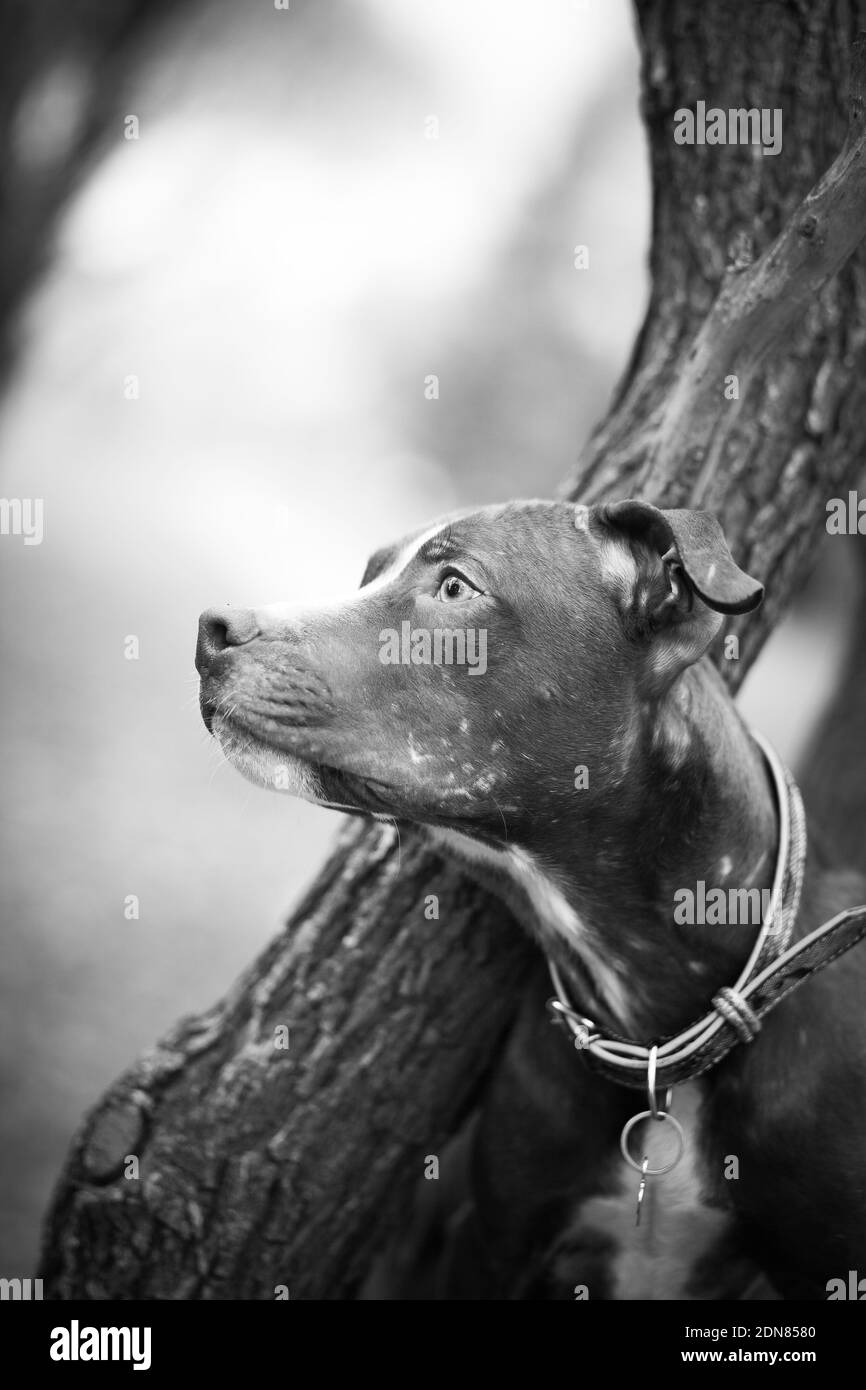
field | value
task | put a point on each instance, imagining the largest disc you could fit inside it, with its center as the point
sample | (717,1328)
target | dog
(591,773)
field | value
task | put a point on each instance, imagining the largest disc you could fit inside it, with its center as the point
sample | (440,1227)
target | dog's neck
(695,804)
(691,801)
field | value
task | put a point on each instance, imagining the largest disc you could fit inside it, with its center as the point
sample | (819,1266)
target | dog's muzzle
(220,631)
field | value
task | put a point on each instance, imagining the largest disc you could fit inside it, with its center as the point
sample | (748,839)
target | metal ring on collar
(648,1115)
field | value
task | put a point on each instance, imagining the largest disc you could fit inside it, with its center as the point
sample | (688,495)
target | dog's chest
(670,1254)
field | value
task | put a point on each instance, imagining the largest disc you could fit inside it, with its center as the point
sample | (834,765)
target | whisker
(501,814)
(393,820)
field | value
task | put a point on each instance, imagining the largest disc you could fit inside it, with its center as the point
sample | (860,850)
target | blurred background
(238,241)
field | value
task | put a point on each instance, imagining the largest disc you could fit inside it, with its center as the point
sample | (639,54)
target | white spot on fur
(617,567)
(656,1260)
(550,909)
(414,755)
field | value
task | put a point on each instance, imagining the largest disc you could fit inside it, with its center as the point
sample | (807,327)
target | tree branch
(760,303)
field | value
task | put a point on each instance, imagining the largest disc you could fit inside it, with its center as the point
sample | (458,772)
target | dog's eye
(454,588)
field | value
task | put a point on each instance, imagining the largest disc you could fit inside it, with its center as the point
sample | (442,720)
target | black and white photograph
(433,574)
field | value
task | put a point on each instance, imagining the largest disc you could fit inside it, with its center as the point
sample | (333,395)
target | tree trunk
(833,776)
(262,1167)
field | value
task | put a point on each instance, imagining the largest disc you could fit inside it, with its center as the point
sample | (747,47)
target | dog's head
(481,663)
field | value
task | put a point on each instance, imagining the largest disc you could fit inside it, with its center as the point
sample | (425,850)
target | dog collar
(773,970)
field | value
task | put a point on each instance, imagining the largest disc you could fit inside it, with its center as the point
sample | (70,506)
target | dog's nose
(219,628)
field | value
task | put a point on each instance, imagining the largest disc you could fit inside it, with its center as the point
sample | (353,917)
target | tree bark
(262,1167)
(833,775)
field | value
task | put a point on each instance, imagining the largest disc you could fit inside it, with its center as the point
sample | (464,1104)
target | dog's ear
(673,574)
